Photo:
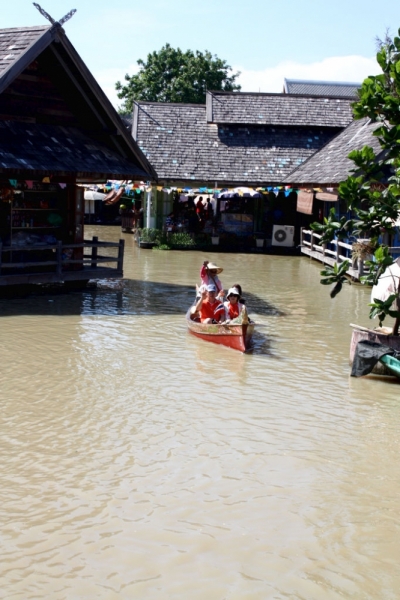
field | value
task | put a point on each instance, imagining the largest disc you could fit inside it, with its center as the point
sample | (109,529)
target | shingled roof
(321,88)
(331,164)
(14,42)
(44,82)
(184,147)
(61,150)
(278,109)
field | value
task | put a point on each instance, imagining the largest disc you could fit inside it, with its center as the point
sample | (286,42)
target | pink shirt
(207,279)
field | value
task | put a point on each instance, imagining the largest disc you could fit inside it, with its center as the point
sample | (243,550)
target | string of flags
(131,188)
(218,191)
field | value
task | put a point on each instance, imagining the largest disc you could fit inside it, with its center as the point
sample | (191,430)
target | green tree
(372,191)
(171,75)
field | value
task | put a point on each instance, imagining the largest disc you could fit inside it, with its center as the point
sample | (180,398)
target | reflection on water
(141,462)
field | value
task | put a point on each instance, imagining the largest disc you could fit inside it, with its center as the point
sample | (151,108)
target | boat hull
(359,335)
(392,364)
(237,337)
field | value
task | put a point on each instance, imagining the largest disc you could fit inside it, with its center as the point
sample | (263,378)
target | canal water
(141,462)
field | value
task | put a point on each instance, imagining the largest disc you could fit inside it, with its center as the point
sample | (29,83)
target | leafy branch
(335,275)
(371,193)
(383,308)
(331,227)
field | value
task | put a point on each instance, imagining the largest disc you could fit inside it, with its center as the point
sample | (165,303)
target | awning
(92,195)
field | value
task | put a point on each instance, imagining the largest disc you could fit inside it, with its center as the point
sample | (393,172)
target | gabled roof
(65,95)
(278,109)
(15,42)
(183,147)
(331,164)
(62,150)
(321,88)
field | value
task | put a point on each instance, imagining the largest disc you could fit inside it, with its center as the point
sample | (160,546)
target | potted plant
(148,237)
(215,238)
(372,193)
(260,239)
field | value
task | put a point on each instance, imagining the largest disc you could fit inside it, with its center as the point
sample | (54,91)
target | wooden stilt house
(57,130)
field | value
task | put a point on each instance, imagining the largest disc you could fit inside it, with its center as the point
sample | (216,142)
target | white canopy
(92,195)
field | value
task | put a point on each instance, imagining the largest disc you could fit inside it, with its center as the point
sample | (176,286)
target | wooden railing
(19,264)
(335,252)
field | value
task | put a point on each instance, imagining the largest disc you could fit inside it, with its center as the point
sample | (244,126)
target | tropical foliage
(166,241)
(335,275)
(372,191)
(149,234)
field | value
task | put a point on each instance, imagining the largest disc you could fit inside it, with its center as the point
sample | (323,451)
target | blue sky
(266,41)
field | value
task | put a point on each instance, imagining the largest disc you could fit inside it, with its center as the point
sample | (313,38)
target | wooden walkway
(335,252)
(57,263)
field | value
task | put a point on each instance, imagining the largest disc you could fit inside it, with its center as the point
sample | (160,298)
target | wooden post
(312,242)
(59,259)
(337,251)
(360,267)
(396,326)
(120,263)
(94,253)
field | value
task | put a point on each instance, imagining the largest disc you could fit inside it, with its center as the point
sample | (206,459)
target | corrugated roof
(331,164)
(321,88)
(278,109)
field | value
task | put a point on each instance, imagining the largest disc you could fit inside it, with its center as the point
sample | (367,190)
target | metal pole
(148,208)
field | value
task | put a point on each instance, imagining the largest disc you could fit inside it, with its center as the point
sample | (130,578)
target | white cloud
(336,68)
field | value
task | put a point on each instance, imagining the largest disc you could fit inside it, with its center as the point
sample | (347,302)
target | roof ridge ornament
(46,15)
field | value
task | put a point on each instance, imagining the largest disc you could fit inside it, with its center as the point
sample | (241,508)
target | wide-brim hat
(212,267)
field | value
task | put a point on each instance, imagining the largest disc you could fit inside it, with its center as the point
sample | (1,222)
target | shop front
(234,218)
(41,236)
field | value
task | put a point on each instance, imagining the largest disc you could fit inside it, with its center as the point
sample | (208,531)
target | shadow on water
(262,344)
(126,297)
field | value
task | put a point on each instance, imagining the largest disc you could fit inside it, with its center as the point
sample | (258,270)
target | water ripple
(141,462)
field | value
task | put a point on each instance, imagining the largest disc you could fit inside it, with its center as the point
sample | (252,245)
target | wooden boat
(392,364)
(236,335)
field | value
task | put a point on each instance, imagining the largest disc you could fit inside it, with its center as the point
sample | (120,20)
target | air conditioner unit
(282,235)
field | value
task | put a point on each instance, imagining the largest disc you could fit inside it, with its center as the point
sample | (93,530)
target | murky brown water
(140,462)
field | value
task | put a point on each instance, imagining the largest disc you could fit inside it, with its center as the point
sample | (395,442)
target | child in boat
(209,275)
(232,308)
(239,288)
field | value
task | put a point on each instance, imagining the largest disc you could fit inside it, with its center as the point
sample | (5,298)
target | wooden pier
(58,263)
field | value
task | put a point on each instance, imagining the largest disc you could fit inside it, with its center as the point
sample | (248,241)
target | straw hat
(212,267)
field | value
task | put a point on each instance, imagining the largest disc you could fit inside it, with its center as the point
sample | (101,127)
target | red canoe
(233,335)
